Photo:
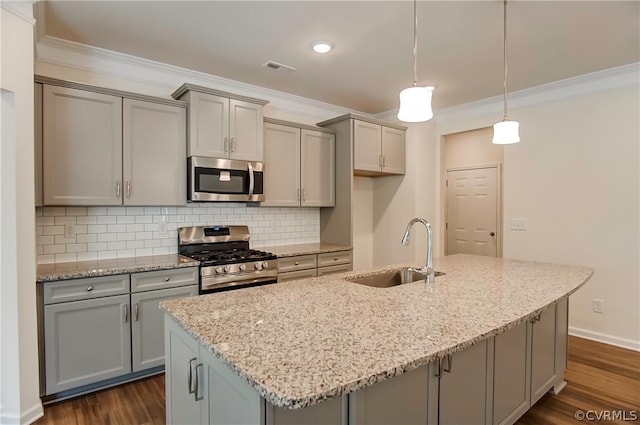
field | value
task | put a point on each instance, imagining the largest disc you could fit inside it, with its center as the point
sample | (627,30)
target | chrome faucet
(428,268)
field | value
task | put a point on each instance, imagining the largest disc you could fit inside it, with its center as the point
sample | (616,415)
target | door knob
(492,234)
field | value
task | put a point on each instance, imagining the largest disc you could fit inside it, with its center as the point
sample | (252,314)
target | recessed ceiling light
(322,46)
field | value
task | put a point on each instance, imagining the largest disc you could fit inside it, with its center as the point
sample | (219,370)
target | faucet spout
(428,268)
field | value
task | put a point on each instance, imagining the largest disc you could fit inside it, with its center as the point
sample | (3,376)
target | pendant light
(505,132)
(415,102)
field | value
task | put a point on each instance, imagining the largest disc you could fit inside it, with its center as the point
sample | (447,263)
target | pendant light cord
(505,58)
(415,44)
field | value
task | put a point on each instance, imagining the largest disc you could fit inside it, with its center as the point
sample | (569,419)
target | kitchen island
(490,335)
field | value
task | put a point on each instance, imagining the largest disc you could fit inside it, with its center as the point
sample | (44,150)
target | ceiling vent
(278,67)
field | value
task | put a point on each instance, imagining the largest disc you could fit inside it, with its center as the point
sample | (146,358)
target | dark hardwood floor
(600,378)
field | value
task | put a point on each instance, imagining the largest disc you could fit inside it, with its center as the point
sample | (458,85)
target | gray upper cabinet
(299,166)
(154,166)
(37,115)
(82,147)
(101,149)
(223,125)
(378,149)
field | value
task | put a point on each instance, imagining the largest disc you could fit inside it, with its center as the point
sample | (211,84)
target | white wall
(362,223)
(575,179)
(19,383)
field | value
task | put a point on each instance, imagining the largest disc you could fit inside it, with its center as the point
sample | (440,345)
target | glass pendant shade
(415,104)
(506,133)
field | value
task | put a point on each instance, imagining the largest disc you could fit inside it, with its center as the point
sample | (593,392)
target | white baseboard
(29,416)
(604,338)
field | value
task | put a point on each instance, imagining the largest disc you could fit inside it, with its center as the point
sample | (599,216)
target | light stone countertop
(81,269)
(300,342)
(304,249)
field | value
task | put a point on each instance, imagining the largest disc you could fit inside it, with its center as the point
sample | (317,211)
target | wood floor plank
(599,377)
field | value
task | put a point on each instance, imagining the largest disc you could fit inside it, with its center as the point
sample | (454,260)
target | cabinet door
(245,131)
(37,116)
(86,342)
(366,146)
(543,354)
(318,168)
(463,387)
(182,353)
(393,151)
(282,166)
(82,147)
(154,157)
(147,326)
(512,363)
(208,125)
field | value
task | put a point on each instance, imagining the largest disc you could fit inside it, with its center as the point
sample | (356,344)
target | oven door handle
(251,180)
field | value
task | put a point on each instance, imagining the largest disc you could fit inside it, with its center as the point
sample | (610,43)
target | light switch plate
(518,224)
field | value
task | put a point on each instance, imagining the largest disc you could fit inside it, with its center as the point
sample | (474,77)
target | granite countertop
(298,343)
(80,269)
(304,249)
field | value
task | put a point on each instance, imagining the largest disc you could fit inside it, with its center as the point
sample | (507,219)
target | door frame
(499,224)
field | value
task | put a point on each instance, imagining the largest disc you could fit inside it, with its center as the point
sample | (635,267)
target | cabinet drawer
(334,258)
(341,268)
(302,274)
(82,289)
(301,262)
(162,279)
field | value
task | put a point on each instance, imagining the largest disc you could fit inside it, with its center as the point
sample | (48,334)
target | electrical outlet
(598,305)
(69,230)
(518,224)
(162,228)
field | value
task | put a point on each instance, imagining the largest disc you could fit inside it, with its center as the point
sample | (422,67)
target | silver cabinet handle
(298,197)
(304,197)
(167,279)
(128,188)
(384,161)
(117,188)
(90,288)
(135,312)
(197,397)
(226,144)
(438,373)
(251,179)
(126,313)
(190,376)
(449,363)
(535,319)
(233,144)
(379,160)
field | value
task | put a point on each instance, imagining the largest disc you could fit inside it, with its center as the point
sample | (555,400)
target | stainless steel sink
(389,279)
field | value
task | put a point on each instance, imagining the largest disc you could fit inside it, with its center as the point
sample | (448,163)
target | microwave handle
(251,181)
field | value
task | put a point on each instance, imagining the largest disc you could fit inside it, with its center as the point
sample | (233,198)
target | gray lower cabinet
(512,361)
(102,328)
(312,265)
(543,349)
(464,381)
(86,341)
(147,331)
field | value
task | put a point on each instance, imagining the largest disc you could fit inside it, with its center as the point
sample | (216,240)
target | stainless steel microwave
(217,179)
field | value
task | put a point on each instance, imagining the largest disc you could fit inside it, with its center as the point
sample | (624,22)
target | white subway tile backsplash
(117,232)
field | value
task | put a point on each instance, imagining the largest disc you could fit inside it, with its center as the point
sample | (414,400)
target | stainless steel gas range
(226,262)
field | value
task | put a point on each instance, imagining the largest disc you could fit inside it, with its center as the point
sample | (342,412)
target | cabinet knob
(335,258)
(167,279)
(297,263)
(90,288)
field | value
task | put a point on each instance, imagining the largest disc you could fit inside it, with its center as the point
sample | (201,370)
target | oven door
(216,179)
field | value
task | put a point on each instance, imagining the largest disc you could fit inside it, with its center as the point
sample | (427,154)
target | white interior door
(472,211)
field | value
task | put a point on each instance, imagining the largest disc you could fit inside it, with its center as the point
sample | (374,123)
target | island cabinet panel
(400,400)
(512,362)
(328,412)
(543,354)
(102,326)
(82,147)
(464,381)
(154,152)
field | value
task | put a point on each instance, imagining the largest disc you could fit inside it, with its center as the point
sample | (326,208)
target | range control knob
(265,265)
(258,265)
(227,269)
(242,267)
(218,269)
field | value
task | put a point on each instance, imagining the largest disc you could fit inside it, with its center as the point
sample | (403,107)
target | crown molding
(56,51)
(595,82)
(21,9)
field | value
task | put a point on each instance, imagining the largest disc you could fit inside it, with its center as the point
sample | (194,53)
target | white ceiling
(460,42)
